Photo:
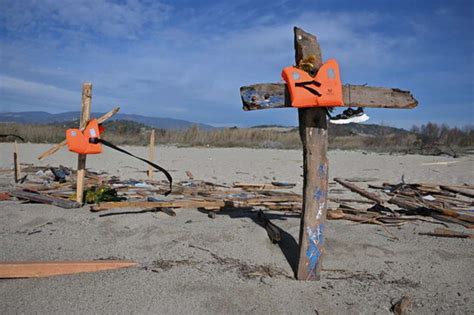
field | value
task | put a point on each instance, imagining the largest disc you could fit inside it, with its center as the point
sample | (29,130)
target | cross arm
(58,146)
(275,95)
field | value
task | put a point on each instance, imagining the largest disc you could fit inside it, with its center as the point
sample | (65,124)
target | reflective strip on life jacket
(83,142)
(324,90)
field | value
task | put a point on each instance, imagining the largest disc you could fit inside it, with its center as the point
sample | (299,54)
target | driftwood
(341,200)
(340,215)
(447,233)
(272,230)
(158,204)
(360,191)
(444,218)
(462,191)
(63,203)
(37,269)
(275,95)
(250,186)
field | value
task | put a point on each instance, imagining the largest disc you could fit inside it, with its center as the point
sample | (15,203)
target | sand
(193,264)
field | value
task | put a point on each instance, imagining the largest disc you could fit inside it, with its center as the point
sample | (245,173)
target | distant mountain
(47,118)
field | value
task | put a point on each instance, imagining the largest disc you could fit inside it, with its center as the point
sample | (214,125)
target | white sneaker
(349,116)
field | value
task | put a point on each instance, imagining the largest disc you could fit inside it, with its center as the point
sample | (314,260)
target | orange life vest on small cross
(323,90)
(84,142)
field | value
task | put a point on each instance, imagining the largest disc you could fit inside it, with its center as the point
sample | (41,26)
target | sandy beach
(193,264)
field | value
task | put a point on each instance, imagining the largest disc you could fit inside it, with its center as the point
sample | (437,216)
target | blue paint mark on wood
(319,194)
(322,170)
(315,240)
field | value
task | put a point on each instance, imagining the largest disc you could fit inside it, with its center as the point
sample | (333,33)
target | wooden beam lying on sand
(360,191)
(37,269)
(158,204)
(458,190)
(439,232)
(414,204)
(275,95)
(252,186)
(272,230)
(63,203)
(58,146)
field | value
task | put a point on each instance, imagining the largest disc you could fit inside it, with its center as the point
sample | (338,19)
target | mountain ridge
(42,117)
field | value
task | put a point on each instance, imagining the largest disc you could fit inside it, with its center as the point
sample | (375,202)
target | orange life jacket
(324,90)
(84,142)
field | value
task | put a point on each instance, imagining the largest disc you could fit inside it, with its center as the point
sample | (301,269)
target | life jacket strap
(159,168)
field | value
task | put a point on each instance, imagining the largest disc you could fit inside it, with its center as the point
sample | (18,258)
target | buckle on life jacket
(324,90)
(85,142)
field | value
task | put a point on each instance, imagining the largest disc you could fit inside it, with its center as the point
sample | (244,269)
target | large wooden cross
(314,136)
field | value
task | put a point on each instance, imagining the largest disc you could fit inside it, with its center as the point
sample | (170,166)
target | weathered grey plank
(63,203)
(275,95)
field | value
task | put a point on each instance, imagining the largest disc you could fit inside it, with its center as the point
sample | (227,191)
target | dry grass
(130,133)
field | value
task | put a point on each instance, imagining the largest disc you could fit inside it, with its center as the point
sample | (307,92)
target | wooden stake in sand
(151,153)
(81,161)
(16,162)
(314,136)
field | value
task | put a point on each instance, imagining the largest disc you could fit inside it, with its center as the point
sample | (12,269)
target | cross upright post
(314,136)
(81,160)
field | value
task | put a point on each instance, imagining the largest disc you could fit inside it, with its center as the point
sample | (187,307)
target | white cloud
(36,90)
(116,20)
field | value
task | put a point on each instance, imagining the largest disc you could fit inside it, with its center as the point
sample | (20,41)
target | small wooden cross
(84,119)
(314,136)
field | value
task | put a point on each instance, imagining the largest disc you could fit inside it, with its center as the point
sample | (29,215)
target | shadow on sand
(287,244)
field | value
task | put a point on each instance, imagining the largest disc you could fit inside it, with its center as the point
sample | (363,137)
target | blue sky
(187,59)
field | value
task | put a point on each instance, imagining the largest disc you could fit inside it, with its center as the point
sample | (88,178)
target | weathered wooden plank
(37,269)
(412,203)
(272,230)
(462,191)
(439,232)
(158,204)
(252,186)
(354,188)
(314,136)
(63,203)
(55,148)
(275,95)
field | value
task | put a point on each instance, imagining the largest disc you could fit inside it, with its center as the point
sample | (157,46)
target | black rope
(113,146)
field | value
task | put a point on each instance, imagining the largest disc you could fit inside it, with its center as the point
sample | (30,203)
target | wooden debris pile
(397,204)
(56,186)
(386,205)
